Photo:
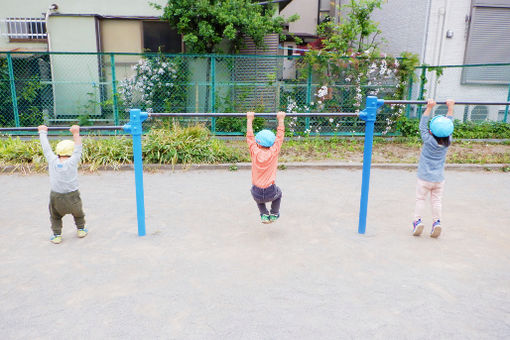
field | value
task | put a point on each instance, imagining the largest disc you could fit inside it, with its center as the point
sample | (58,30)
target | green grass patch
(174,144)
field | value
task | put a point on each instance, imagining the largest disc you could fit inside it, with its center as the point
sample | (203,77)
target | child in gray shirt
(430,183)
(63,170)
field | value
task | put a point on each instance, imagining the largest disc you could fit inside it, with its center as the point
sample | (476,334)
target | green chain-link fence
(100,88)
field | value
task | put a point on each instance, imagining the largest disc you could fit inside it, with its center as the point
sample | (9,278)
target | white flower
(322,92)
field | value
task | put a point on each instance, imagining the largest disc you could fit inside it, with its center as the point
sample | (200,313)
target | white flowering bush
(155,85)
(317,125)
(347,59)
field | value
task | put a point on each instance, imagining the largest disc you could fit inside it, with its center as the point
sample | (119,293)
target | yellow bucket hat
(65,148)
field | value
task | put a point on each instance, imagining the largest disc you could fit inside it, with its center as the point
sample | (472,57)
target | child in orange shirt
(264,150)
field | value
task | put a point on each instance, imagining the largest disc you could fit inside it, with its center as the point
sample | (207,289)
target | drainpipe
(426,35)
(440,42)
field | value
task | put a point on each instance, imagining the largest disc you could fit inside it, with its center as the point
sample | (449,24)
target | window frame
(465,78)
(28,24)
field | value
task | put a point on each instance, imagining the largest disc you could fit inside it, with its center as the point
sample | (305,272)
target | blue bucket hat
(440,126)
(265,138)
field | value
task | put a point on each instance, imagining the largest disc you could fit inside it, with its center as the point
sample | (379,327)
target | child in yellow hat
(63,170)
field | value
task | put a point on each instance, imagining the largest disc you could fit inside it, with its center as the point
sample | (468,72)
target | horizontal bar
(61,128)
(464,65)
(424,102)
(272,114)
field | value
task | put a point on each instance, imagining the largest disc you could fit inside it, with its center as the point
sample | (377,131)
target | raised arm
(451,104)
(75,157)
(430,104)
(250,137)
(249,122)
(280,131)
(424,129)
(45,144)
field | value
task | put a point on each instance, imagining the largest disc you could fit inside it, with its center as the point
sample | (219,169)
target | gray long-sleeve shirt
(433,155)
(63,176)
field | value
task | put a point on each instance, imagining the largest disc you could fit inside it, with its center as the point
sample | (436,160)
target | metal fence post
(13,90)
(213,93)
(423,78)
(369,115)
(505,117)
(409,93)
(134,127)
(114,91)
(308,96)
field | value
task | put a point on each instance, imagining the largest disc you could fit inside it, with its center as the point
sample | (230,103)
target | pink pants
(425,189)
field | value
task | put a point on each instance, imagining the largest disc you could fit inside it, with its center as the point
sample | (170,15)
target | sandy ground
(208,269)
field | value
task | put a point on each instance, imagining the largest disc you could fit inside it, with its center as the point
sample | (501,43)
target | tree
(204,24)
(350,66)
(354,33)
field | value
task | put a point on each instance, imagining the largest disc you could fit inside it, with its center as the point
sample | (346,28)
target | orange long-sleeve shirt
(264,161)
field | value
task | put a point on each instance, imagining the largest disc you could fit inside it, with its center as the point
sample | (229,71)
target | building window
(24,29)
(488,42)
(324,9)
(501,115)
(158,36)
(479,113)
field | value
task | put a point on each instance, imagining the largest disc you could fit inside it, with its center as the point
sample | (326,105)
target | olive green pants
(63,204)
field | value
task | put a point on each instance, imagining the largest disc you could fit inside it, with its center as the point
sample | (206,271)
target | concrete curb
(282,166)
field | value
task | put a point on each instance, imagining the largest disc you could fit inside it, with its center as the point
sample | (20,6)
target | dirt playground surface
(208,269)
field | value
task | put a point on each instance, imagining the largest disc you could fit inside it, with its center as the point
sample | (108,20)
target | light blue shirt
(433,155)
(63,176)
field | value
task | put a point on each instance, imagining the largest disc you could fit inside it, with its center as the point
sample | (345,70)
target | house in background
(90,26)
(109,26)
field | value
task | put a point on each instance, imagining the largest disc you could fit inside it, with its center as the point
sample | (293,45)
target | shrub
(467,130)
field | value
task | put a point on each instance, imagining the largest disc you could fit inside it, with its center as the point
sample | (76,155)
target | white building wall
(308,11)
(403,24)
(450,15)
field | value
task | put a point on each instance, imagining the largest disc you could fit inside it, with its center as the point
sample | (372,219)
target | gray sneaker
(418,227)
(436,229)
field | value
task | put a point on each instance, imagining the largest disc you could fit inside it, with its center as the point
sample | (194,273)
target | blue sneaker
(417,227)
(436,229)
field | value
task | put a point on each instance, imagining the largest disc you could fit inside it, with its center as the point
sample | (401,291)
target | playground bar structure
(63,128)
(369,114)
(236,114)
(424,102)
(137,117)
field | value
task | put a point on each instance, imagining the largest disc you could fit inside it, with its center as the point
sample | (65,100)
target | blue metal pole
(135,129)
(368,115)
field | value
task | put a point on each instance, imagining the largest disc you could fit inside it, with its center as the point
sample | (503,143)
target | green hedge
(468,130)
